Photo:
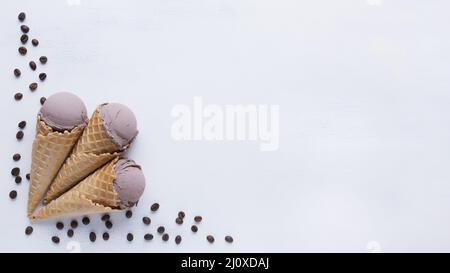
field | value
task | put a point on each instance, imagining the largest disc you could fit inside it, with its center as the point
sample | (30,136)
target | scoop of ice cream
(129,183)
(64,111)
(120,123)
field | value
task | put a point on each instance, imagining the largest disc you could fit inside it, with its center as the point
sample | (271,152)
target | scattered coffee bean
(210,239)
(19,135)
(130,237)
(108,224)
(28,176)
(32,65)
(12,194)
(17,157)
(59,225)
(181,214)
(146,220)
(22,124)
(35,42)
(105,217)
(24,38)
(105,236)
(165,237)
(70,233)
(194,228)
(85,220)
(43,59)
(22,50)
(229,239)
(33,86)
(24,28)
(15,171)
(92,236)
(161,230)
(154,207)
(148,237)
(18,179)
(129,213)
(28,230)
(17,72)
(178,239)
(42,76)
(198,219)
(74,224)
(18,96)
(55,239)
(42,100)
(22,16)
(179,221)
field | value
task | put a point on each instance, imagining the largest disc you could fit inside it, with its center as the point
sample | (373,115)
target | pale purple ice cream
(120,123)
(64,111)
(129,183)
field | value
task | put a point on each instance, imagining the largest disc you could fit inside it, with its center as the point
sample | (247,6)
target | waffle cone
(94,149)
(95,194)
(50,149)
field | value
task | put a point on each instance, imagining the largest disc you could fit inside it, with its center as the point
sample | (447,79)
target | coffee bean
(32,65)
(22,16)
(129,213)
(28,230)
(165,237)
(198,219)
(12,194)
(70,233)
(194,228)
(210,239)
(92,236)
(33,86)
(179,221)
(24,38)
(181,214)
(28,176)
(17,72)
(18,96)
(42,76)
(148,237)
(105,236)
(59,225)
(105,217)
(18,179)
(130,237)
(229,239)
(55,239)
(17,157)
(161,230)
(108,224)
(22,124)
(24,28)
(15,171)
(146,220)
(19,135)
(178,239)
(35,42)
(42,100)
(22,50)
(74,224)
(154,207)
(43,59)
(85,220)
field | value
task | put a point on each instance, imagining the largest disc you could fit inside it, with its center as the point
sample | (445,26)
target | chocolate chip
(108,224)
(28,176)
(19,135)
(178,239)
(70,233)
(42,100)
(18,96)
(32,65)
(59,225)
(210,238)
(165,237)
(229,239)
(33,86)
(24,28)
(85,220)
(15,171)
(12,194)
(161,230)
(35,42)
(181,214)
(22,124)
(105,217)
(154,207)
(194,228)
(92,236)
(146,220)
(24,38)
(17,157)
(179,221)
(42,76)
(17,72)
(18,179)
(28,230)
(74,224)
(43,59)
(105,236)
(198,219)
(22,50)
(130,237)
(148,237)
(129,213)
(55,239)
(22,16)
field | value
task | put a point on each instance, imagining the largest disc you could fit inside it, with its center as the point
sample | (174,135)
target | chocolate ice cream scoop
(64,111)
(129,183)
(120,123)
